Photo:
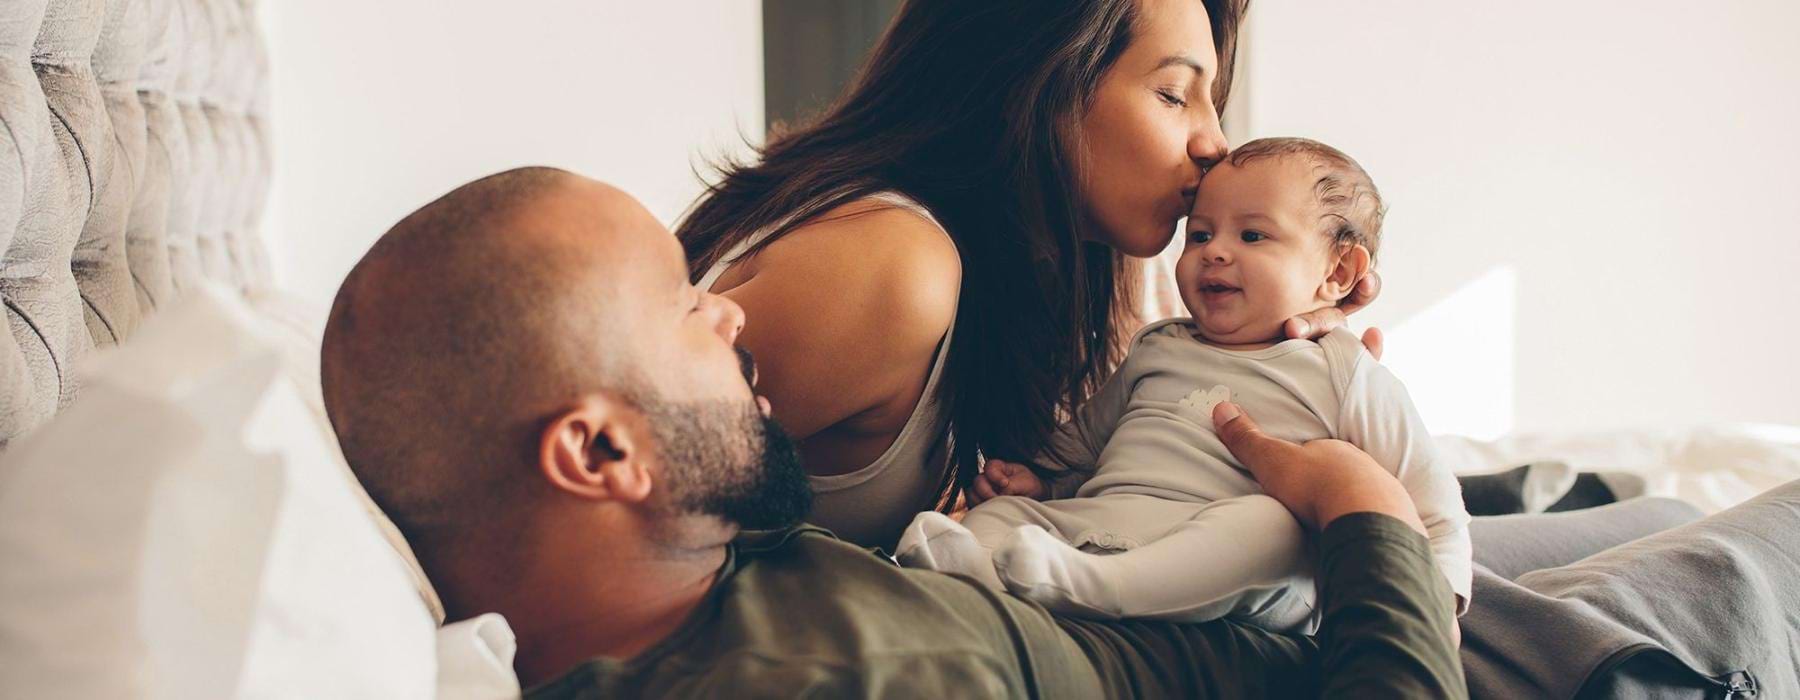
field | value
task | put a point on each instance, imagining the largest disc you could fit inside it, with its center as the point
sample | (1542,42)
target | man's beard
(725,458)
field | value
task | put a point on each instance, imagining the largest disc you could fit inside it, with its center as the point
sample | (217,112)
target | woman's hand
(1317,323)
(1318,481)
(1000,478)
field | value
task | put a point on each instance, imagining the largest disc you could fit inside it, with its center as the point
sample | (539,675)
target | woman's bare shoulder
(846,313)
(891,266)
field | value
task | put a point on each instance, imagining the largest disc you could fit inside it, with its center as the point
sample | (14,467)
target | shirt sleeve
(1386,626)
(1378,416)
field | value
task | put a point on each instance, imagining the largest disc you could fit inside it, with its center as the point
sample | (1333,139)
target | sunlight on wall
(1458,357)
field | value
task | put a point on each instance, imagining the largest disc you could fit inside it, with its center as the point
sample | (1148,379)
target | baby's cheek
(1187,277)
(1299,290)
(1187,267)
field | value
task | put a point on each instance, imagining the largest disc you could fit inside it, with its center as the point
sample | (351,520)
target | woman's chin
(1155,245)
(1148,243)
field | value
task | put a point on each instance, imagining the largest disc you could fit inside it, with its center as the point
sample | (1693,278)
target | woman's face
(1150,129)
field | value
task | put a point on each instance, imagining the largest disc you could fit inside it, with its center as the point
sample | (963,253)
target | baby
(1168,524)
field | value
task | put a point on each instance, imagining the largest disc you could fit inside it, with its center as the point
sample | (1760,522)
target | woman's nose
(730,319)
(1207,145)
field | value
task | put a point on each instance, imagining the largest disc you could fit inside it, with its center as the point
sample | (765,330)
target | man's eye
(1253,236)
(1199,236)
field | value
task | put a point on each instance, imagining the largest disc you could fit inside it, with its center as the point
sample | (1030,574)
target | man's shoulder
(826,572)
(758,673)
(802,612)
(811,590)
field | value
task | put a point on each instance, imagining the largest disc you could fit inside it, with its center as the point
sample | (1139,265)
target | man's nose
(730,318)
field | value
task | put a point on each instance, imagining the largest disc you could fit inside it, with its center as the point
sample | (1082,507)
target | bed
(174,517)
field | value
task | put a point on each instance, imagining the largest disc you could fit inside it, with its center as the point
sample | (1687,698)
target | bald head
(465,324)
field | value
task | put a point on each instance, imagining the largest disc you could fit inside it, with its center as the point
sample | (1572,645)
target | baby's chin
(1224,332)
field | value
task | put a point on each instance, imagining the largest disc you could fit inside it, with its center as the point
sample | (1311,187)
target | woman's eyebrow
(1181,59)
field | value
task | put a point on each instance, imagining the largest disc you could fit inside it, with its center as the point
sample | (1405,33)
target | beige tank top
(871,505)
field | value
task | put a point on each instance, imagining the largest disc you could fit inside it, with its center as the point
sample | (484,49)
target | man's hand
(1314,324)
(1000,478)
(1318,481)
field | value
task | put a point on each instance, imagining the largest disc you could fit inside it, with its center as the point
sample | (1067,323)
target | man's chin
(783,497)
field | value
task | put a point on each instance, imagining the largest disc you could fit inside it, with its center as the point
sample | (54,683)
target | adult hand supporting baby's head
(1320,480)
(1314,324)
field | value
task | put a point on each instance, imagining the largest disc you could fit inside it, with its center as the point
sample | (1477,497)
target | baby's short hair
(1352,205)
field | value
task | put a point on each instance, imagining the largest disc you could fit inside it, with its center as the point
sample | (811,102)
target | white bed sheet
(1713,467)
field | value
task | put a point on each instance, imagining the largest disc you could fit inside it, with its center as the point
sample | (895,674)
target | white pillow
(181,532)
(475,659)
(296,328)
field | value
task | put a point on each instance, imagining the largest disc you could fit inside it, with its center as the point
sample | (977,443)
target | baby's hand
(1000,478)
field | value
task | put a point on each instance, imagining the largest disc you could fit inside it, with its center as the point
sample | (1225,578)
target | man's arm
(1387,624)
(1388,613)
(1379,418)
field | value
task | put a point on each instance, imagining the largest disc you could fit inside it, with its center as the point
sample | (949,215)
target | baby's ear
(1349,265)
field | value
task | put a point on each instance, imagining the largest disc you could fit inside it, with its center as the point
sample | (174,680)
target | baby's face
(1256,255)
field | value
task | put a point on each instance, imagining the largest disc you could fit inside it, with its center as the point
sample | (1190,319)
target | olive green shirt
(798,613)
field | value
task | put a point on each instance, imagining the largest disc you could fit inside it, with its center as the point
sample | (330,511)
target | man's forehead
(651,257)
(619,233)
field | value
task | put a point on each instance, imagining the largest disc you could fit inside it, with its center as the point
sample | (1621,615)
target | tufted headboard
(134,161)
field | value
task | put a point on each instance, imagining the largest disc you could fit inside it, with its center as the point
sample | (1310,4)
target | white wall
(1595,206)
(382,106)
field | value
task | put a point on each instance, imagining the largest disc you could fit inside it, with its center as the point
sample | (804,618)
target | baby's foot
(934,541)
(1038,567)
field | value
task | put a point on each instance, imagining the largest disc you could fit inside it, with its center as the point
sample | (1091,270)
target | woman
(944,252)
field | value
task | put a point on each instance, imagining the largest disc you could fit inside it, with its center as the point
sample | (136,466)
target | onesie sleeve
(1378,416)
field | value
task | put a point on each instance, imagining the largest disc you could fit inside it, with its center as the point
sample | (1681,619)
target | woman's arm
(844,316)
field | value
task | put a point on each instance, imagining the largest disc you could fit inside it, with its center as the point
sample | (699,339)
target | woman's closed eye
(1171,98)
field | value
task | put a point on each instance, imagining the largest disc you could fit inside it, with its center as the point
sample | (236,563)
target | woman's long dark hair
(973,109)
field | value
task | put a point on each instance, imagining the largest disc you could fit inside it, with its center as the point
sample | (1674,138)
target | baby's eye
(1199,236)
(1252,236)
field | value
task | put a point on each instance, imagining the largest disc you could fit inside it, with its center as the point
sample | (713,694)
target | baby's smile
(1216,293)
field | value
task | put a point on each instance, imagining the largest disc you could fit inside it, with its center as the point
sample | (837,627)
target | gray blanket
(1687,612)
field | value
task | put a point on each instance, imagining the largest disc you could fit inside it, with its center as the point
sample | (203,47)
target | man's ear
(592,450)
(1351,264)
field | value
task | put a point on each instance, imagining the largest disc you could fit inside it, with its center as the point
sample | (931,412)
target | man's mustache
(747,365)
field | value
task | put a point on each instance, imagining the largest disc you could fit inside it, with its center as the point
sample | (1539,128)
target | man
(561,425)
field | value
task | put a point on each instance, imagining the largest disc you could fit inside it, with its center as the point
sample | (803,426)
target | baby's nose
(1213,252)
